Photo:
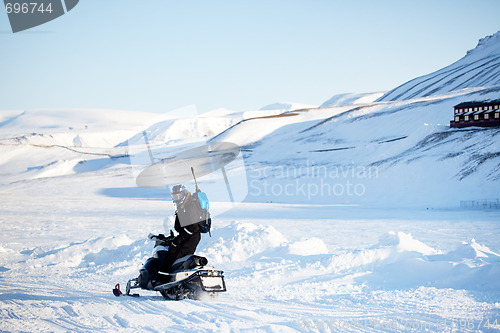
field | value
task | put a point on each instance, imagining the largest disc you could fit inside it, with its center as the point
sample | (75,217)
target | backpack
(206,223)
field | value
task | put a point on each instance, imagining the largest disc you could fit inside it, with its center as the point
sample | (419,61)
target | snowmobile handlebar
(162,237)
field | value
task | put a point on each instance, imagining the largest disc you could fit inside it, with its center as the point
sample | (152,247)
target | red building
(474,113)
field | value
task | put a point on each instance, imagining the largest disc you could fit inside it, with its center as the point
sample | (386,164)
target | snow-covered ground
(288,267)
(348,218)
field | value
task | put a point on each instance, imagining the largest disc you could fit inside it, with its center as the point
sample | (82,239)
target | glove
(157,237)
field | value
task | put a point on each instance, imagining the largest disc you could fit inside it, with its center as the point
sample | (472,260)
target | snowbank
(98,251)
(397,261)
(240,241)
(308,247)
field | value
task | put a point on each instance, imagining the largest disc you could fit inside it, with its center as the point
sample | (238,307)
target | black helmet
(179,193)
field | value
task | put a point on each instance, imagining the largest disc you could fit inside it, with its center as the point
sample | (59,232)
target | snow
(287,106)
(388,154)
(308,247)
(346,218)
(478,68)
(353,99)
(84,245)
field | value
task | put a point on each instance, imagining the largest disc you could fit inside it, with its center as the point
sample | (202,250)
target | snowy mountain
(479,68)
(95,127)
(347,217)
(287,106)
(397,154)
(352,99)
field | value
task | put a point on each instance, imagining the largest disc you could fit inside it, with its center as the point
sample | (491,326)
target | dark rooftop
(477,103)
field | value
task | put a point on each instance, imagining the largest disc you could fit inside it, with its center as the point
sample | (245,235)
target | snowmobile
(190,278)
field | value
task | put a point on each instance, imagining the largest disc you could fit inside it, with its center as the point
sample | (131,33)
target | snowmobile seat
(188,262)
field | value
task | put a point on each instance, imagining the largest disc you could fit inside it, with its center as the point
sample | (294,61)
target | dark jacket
(187,217)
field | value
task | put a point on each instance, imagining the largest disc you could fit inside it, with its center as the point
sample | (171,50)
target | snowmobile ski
(117,292)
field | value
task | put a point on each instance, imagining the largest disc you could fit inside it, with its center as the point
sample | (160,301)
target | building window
(486,116)
(480,108)
(496,107)
(466,118)
(475,109)
(497,115)
(476,117)
(457,119)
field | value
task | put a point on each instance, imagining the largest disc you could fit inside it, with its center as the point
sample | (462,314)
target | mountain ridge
(480,67)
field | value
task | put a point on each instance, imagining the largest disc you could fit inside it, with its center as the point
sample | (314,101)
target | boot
(143,278)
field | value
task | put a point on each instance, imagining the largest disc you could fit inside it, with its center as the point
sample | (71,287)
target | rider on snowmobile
(189,222)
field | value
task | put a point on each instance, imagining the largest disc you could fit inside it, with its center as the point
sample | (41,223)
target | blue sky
(157,56)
